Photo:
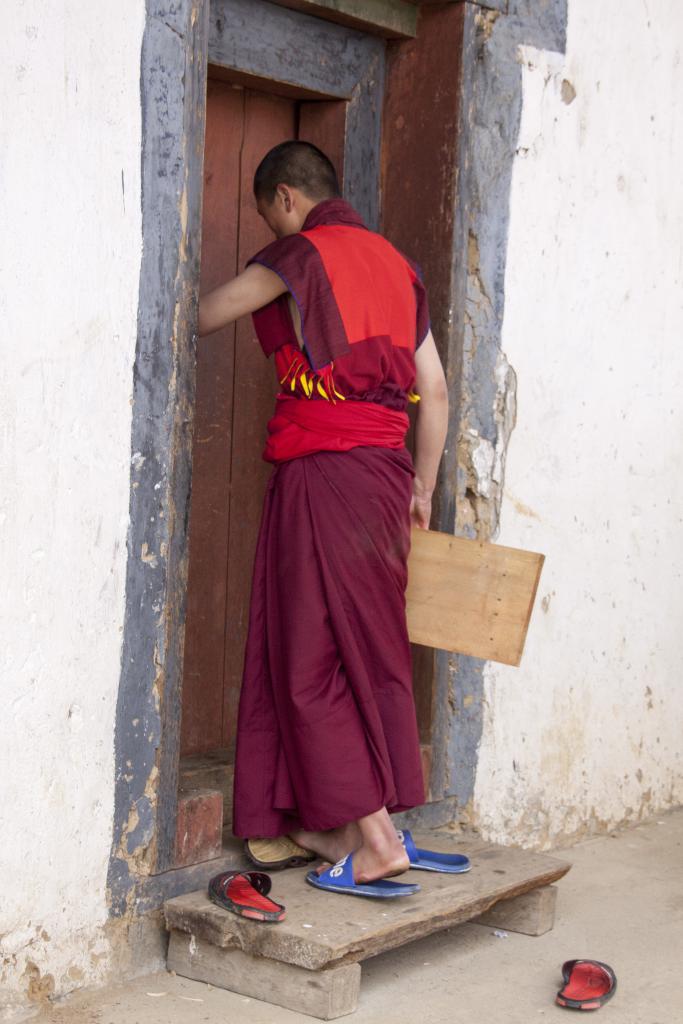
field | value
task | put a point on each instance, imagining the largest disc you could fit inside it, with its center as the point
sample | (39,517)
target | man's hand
(254,287)
(420,506)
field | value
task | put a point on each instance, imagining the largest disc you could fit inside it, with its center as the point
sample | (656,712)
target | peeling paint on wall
(488,386)
(585,735)
(70,137)
(172,89)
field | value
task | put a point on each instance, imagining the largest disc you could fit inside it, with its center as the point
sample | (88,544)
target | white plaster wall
(587,732)
(69,266)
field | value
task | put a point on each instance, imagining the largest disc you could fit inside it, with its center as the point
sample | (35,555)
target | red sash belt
(301,427)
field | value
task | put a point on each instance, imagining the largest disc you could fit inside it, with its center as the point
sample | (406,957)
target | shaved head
(300,165)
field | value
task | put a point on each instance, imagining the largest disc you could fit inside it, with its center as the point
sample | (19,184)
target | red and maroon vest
(364,312)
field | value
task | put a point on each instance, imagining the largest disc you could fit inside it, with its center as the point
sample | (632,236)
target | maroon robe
(327,729)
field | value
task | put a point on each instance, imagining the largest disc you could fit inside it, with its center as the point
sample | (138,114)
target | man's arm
(254,287)
(430,431)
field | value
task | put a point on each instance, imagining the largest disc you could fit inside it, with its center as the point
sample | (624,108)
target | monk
(327,741)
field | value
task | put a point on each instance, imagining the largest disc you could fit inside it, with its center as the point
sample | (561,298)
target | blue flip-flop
(339,878)
(428,860)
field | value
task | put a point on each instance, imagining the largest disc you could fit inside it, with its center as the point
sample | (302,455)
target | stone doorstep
(304,963)
(199,826)
(209,771)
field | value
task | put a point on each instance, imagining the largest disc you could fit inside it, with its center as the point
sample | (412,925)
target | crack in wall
(481,458)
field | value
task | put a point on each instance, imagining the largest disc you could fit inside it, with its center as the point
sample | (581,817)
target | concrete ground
(622,903)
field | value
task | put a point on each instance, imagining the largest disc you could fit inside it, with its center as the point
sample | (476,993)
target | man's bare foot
(381,860)
(331,845)
(373,840)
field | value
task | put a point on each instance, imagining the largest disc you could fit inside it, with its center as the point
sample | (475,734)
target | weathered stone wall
(71,240)
(487,388)
(586,733)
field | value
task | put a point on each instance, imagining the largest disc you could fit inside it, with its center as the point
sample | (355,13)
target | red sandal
(245,893)
(588,984)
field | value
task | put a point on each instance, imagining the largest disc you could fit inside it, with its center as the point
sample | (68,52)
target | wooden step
(310,961)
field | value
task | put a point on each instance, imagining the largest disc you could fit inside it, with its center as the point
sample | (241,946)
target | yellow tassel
(332,387)
(308,380)
(413,397)
(291,367)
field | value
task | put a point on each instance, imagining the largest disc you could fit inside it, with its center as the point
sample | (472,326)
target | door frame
(244,37)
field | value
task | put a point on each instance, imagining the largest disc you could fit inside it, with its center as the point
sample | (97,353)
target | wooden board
(332,992)
(470,596)
(346,929)
(393,19)
(322,994)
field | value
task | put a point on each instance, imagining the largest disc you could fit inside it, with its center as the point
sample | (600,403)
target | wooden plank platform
(303,962)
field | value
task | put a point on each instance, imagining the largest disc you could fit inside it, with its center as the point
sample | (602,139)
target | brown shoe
(274,854)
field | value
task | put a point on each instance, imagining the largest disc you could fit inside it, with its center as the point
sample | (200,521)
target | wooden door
(235,395)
